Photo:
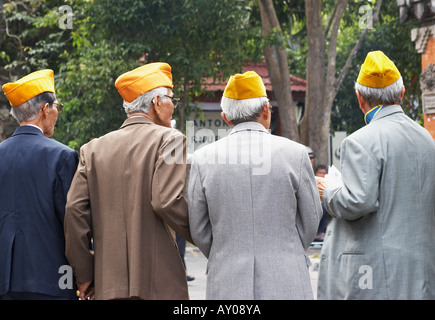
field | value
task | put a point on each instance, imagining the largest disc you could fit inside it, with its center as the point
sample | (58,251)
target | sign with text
(208,130)
(429,103)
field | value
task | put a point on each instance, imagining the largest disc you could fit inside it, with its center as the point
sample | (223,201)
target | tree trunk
(182,106)
(277,66)
(337,81)
(314,129)
(322,83)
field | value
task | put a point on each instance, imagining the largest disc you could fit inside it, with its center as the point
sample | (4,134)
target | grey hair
(143,102)
(28,111)
(238,111)
(385,96)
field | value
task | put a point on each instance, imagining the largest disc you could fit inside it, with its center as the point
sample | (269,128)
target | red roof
(297,84)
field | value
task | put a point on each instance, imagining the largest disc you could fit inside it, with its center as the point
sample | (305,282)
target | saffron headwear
(29,86)
(245,86)
(378,71)
(133,83)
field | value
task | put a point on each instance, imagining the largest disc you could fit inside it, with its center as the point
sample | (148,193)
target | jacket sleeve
(358,194)
(198,211)
(309,210)
(78,225)
(64,175)
(169,177)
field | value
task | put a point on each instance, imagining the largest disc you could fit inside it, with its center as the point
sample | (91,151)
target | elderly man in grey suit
(254,207)
(381,243)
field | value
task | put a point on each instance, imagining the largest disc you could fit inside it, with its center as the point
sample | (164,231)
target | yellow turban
(29,86)
(245,86)
(133,83)
(378,71)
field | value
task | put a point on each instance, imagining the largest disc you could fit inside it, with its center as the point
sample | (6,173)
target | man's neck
(139,114)
(31,123)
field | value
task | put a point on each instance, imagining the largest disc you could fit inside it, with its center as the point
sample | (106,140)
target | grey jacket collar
(249,126)
(386,111)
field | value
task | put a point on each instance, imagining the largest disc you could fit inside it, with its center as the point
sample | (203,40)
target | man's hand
(85,292)
(321,184)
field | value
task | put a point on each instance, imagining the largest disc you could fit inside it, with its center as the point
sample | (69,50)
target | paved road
(196,265)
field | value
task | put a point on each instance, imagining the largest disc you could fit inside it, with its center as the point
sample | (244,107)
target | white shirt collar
(32,125)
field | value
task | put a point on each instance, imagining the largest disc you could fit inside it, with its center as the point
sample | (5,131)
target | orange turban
(133,83)
(378,71)
(245,86)
(29,86)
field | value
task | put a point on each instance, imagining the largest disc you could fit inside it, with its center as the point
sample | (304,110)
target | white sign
(209,130)
(429,103)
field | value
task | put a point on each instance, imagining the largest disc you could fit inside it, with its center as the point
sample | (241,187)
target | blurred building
(424,39)
(7,123)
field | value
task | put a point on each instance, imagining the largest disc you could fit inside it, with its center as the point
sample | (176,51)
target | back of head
(244,97)
(139,86)
(379,80)
(142,104)
(27,94)
(29,110)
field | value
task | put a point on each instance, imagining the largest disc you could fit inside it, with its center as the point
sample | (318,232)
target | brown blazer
(127,196)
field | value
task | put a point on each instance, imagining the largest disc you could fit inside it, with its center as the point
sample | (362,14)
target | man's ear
(265,111)
(359,97)
(223,115)
(362,102)
(402,94)
(156,103)
(45,110)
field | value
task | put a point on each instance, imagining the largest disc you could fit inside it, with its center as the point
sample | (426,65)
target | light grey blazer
(381,244)
(254,208)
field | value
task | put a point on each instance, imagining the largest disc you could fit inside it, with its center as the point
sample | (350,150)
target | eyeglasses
(174,100)
(59,107)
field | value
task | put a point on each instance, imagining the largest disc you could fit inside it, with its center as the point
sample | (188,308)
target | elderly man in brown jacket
(126,197)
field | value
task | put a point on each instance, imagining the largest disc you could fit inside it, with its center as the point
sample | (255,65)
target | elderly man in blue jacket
(35,175)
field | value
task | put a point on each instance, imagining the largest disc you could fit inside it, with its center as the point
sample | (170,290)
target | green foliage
(198,38)
(291,15)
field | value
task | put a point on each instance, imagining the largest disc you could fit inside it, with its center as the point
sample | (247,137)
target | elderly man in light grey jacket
(254,206)
(381,243)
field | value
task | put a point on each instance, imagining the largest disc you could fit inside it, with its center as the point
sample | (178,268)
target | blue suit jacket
(35,175)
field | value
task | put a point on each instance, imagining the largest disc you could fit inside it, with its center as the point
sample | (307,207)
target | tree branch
(332,54)
(277,65)
(330,22)
(12,35)
(352,55)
